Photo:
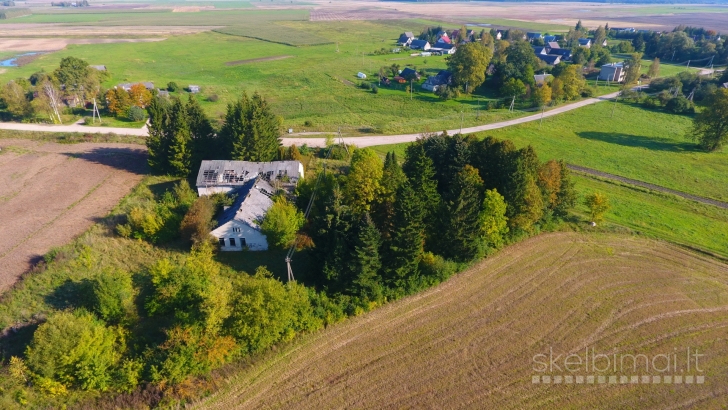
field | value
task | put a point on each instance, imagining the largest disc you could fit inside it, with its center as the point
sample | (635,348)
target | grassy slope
(470,342)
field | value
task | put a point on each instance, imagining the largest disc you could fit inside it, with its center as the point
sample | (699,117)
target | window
(209,175)
(222,241)
(236,229)
(232,241)
(242,242)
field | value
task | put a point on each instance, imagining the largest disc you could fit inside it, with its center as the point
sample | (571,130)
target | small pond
(12,62)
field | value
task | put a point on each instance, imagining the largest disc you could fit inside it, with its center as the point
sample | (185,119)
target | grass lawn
(661,216)
(636,143)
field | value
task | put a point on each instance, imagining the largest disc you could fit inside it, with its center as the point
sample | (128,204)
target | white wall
(254,239)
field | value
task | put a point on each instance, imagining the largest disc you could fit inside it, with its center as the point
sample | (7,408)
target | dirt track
(50,193)
(53,44)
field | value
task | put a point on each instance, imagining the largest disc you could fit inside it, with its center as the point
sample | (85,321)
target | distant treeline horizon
(575,1)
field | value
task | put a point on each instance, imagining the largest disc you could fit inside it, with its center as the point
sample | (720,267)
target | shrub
(172,87)
(375,89)
(136,114)
(680,105)
(587,92)
(197,223)
(308,123)
(365,85)
(447,93)
(281,223)
(73,350)
(213,98)
(113,295)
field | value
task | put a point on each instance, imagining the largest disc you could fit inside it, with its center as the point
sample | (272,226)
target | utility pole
(543,109)
(513,102)
(477,113)
(461,122)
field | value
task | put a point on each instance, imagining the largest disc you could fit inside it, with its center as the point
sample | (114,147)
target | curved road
(315,142)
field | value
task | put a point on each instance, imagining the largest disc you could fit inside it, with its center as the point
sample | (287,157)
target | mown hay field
(471,342)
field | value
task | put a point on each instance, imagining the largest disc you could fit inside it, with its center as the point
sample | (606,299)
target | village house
(540,51)
(585,42)
(408,72)
(434,82)
(553,45)
(405,38)
(549,59)
(194,89)
(541,79)
(533,36)
(225,176)
(420,45)
(127,86)
(564,53)
(612,72)
(549,39)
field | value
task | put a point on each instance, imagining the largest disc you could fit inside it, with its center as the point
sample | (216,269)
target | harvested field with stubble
(50,193)
(471,342)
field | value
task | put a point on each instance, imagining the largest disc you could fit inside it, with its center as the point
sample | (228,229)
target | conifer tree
(566,198)
(251,131)
(403,250)
(367,263)
(420,172)
(383,208)
(179,140)
(460,217)
(205,145)
(157,146)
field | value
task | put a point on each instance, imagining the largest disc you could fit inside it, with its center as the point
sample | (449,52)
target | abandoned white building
(255,183)
(225,176)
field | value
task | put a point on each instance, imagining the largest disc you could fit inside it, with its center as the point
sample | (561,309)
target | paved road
(647,185)
(315,142)
(397,139)
(142,132)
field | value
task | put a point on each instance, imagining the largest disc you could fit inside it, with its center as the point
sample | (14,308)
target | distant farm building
(434,82)
(98,67)
(549,59)
(585,42)
(420,45)
(127,86)
(612,72)
(226,176)
(194,89)
(406,38)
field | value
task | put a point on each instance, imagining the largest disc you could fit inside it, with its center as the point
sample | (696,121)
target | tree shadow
(128,159)
(71,295)
(651,143)
(14,340)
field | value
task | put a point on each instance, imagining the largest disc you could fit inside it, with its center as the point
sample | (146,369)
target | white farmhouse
(239,225)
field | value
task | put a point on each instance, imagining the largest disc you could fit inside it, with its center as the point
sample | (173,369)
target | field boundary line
(595,173)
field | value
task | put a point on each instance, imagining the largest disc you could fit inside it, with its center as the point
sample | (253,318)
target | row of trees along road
(384,230)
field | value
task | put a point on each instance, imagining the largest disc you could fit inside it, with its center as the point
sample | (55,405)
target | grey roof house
(406,38)
(420,45)
(238,227)
(225,176)
(434,82)
(549,59)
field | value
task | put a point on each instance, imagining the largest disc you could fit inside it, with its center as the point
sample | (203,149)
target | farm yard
(50,193)
(473,339)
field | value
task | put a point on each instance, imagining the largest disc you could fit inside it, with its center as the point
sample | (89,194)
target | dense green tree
(710,127)
(383,208)
(566,197)
(632,71)
(267,311)
(468,65)
(113,294)
(157,141)
(520,62)
(654,70)
(204,142)
(573,82)
(513,87)
(600,34)
(281,223)
(74,350)
(420,172)
(251,131)
(598,204)
(367,262)
(363,182)
(198,221)
(13,96)
(461,227)
(180,140)
(402,252)
(77,77)
(493,220)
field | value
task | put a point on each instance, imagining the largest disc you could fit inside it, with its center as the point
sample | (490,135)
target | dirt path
(50,193)
(142,132)
(647,185)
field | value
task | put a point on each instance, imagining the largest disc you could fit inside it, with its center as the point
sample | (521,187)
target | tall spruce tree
(461,228)
(205,145)
(251,131)
(404,248)
(179,138)
(566,198)
(157,141)
(420,172)
(383,208)
(366,280)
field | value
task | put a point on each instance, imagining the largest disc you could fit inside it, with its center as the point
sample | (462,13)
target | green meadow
(636,143)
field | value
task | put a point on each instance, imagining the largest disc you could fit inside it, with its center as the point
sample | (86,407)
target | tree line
(386,229)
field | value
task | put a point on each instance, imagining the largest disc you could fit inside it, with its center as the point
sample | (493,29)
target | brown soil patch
(50,193)
(191,9)
(53,44)
(257,60)
(25,30)
(471,342)
(344,15)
